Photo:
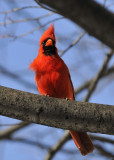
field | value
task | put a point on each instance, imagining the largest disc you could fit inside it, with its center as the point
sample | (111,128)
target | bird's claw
(46,95)
(67,98)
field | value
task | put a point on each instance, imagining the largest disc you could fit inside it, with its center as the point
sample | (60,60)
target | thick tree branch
(93,17)
(70,115)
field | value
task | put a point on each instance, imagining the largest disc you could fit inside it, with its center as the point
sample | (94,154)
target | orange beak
(49,42)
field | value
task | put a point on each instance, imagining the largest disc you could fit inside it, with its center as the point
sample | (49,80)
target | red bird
(52,78)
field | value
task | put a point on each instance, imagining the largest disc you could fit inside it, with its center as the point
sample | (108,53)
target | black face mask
(49,50)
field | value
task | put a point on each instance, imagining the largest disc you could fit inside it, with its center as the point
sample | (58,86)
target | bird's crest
(49,33)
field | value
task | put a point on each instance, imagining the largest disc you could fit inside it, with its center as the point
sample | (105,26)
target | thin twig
(2,125)
(52,151)
(73,43)
(103,152)
(31,31)
(18,78)
(98,76)
(86,84)
(25,20)
(18,9)
(8,132)
(39,144)
(65,138)
(104,3)
(102,139)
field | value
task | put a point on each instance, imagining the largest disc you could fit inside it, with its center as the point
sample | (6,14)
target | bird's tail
(83,142)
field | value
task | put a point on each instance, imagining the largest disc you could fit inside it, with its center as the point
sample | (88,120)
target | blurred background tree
(92,72)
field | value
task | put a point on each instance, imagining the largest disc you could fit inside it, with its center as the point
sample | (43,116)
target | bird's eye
(43,43)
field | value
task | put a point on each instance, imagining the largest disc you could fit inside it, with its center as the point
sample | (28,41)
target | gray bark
(60,113)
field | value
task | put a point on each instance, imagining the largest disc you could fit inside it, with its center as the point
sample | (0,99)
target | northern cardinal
(52,78)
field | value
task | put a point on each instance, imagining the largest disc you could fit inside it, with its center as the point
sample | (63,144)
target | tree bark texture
(60,113)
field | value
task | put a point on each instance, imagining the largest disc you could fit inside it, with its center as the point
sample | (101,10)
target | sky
(83,61)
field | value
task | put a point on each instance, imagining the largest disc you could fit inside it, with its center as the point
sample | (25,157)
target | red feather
(52,78)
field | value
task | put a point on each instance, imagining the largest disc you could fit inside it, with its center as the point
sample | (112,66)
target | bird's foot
(67,98)
(46,95)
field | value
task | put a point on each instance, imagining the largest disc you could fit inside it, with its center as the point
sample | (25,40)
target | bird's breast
(48,83)
(53,80)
